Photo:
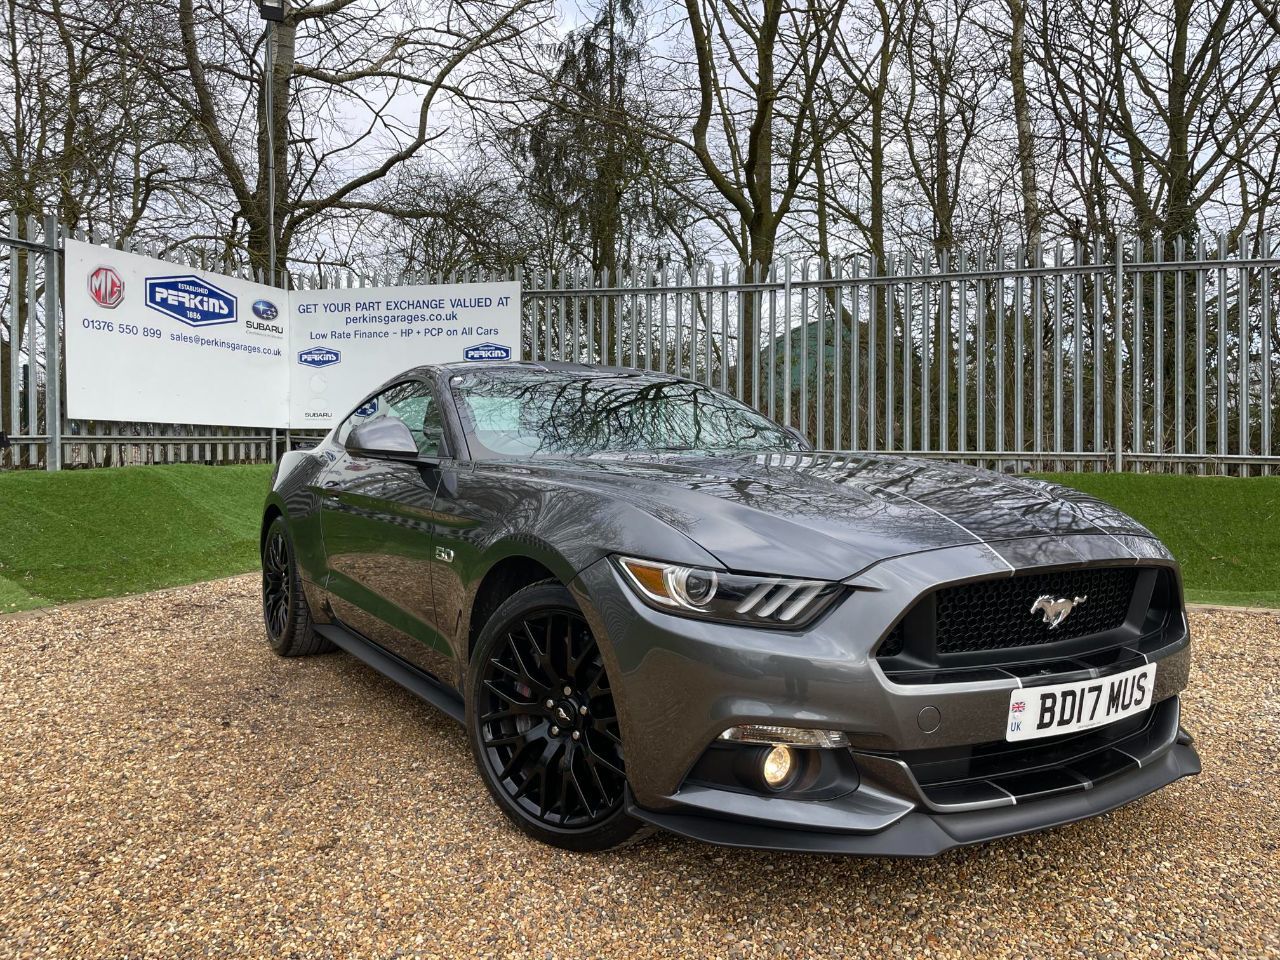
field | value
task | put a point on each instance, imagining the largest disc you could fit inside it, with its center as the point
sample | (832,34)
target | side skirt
(420,684)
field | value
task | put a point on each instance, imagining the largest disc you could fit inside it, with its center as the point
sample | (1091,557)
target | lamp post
(271,11)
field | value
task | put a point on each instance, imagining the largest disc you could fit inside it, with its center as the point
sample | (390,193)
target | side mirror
(385,438)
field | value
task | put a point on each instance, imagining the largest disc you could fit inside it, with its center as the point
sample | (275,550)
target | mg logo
(319,357)
(190,300)
(106,287)
(487,351)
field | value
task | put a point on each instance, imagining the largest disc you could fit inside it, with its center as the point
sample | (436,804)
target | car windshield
(517,413)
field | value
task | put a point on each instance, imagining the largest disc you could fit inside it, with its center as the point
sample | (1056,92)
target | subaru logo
(487,351)
(367,409)
(319,357)
(190,300)
(265,310)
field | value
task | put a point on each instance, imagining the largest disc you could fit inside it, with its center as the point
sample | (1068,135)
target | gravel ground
(169,788)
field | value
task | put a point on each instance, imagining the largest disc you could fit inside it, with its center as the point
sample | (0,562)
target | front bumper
(924,834)
(678,683)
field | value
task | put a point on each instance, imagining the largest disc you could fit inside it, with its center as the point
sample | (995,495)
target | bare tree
(862,129)
(448,220)
(751,130)
(342,71)
(752,87)
(720,129)
(948,79)
(1169,102)
(87,140)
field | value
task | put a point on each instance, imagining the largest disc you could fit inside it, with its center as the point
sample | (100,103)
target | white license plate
(1068,707)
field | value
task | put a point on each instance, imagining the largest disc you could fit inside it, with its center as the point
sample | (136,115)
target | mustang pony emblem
(1056,609)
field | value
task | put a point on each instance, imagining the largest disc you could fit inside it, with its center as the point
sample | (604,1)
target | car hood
(833,516)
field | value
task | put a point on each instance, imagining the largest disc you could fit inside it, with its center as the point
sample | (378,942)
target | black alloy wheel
(277,582)
(284,604)
(543,723)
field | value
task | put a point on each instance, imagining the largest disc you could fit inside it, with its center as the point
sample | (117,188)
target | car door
(470,504)
(376,516)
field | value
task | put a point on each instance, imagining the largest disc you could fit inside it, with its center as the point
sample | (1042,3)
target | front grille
(996,614)
(977,622)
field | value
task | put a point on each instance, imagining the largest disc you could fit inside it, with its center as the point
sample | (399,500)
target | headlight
(717,595)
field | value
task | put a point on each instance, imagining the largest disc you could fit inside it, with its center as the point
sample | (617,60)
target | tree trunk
(1179,217)
(1022,117)
(6,365)
(282,37)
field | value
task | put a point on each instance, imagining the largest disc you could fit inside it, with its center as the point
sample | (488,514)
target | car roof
(542,366)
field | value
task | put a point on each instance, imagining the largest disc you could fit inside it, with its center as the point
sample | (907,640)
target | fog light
(779,764)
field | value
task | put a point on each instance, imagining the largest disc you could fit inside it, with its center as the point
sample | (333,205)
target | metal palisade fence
(1103,356)
(34,431)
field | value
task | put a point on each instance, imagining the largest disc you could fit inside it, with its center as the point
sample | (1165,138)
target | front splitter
(921,834)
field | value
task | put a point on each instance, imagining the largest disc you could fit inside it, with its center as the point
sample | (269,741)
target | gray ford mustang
(651,606)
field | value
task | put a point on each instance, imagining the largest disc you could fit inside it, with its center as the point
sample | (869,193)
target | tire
(557,771)
(285,613)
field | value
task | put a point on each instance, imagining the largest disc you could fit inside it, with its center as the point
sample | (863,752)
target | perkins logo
(487,351)
(319,357)
(191,300)
(265,310)
(106,287)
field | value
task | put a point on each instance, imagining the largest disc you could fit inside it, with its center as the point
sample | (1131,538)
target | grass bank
(97,533)
(1224,530)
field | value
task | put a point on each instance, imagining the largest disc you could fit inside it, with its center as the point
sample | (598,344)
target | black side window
(412,404)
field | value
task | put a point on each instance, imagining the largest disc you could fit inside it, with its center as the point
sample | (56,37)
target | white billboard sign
(346,342)
(157,342)
(154,341)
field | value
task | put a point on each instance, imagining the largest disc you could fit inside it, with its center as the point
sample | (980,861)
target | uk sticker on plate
(1068,707)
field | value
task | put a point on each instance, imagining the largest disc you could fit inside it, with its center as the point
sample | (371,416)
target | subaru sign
(190,300)
(319,357)
(487,351)
(265,310)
